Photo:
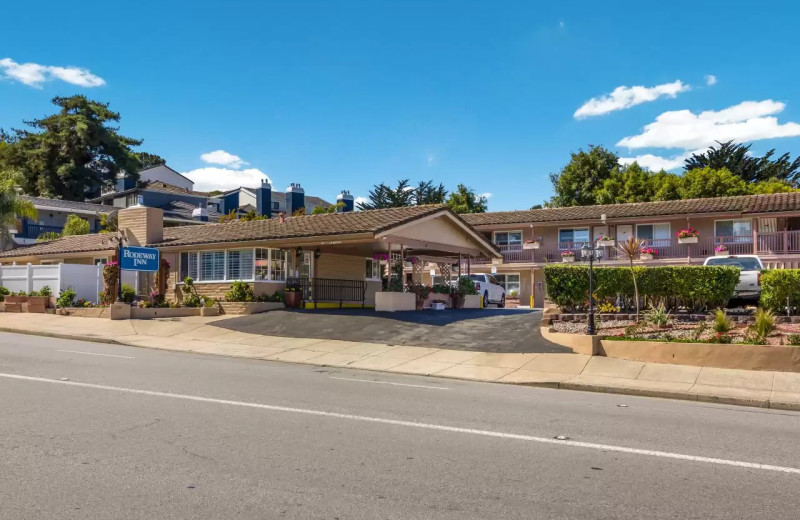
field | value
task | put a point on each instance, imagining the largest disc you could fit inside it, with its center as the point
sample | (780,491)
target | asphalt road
(138,433)
(486,330)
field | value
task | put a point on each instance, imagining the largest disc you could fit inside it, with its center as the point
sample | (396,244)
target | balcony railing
(30,230)
(779,243)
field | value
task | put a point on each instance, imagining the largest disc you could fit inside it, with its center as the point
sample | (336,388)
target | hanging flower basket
(688,236)
(606,241)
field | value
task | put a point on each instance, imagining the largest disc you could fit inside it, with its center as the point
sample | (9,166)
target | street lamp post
(589,253)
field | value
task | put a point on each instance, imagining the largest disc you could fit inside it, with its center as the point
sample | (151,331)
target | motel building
(336,259)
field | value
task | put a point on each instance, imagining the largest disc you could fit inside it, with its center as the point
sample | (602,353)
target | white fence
(87,280)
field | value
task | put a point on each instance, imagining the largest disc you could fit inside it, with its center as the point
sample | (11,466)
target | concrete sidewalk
(570,371)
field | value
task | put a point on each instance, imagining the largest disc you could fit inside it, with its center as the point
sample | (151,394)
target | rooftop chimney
(200,214)
(282,217)
(295,198)
(264,199)
(346,199)
(141,225)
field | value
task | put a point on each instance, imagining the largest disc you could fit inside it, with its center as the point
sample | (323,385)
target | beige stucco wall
(342,267)
(440,231)
(142,225)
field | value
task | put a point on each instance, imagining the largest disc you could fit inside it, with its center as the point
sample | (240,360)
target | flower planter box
(722,253)
(15,299)
(37,304)
(606,243)
(646,256)
(567,259)
(530,245)
(394,301)
(688,240)
(249,307)
(473,301)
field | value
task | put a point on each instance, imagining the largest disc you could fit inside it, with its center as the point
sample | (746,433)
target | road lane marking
(96,354)
(388,383)
(426,426)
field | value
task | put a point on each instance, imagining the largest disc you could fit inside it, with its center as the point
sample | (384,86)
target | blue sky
(342,95)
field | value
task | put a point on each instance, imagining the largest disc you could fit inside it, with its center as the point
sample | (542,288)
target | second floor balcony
(764,244)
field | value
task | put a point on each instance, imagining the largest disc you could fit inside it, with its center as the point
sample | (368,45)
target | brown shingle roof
(744,204)
(373,221)
(70,244)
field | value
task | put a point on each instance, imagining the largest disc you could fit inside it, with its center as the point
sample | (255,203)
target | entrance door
(623,232)
(306,267)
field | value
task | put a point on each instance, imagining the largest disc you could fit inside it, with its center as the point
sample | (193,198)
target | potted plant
(721,250)
(606,241)
(20,297)
(567,256)
(687,236)
(38,301)
(421,292)
(293,296)
(465,287)
(532,243)
(648,253)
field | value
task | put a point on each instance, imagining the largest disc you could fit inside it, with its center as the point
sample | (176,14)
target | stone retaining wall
(680,318)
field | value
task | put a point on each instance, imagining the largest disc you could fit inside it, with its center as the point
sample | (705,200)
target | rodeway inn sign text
(139,259)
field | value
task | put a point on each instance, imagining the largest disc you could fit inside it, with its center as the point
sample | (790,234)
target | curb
(565,385)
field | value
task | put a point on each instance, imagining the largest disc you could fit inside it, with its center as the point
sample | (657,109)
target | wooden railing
(781,242)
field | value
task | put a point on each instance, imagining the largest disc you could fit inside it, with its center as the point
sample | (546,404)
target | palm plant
(631,249)
(12,207)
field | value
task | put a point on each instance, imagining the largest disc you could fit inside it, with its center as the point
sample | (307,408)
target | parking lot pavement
(483,330)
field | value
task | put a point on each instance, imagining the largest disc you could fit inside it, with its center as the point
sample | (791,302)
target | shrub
(659,316)
(722,324)
(513,293)
(66,298)
(240,292)
(777,285)
(45,291)
(608,307)
(128,293)
(3,293)
(466,287)
(192,300)
(691,287)
(441,288)
(793,339)
(764,324)
(698,331)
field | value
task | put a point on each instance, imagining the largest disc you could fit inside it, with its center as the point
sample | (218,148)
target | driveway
(487,330)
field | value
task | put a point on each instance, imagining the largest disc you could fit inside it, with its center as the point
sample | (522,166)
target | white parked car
(749,286)
(492,291)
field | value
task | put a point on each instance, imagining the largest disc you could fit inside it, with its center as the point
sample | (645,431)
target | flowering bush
(721,248)
(110,279)
(649,251)
(687,233)
(566,254)
(380,256)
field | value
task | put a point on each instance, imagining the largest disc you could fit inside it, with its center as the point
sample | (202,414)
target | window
(189,266)
(509,282)
(477,277)
(578,236)
(131,199)
(734,228)
(743,263)
(655,234)
(373,269)
(262,264)
(240,264)
(212,266)
(508,238)
(276,206)
(278,264)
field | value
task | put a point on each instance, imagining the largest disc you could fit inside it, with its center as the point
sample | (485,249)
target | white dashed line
(388,383)
(96,354)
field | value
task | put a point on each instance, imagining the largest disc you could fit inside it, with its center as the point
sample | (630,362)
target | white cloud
(224,179)
(747,121)
(656,163)
(711,79)
(625,97)
(360,200)
(34,74)
(224,158)
(487,195)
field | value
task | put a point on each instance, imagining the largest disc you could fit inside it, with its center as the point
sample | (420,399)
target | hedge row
(777,285)
(691,287)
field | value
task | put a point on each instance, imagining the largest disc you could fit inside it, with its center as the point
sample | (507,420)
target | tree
(579,180)
(383,196)
(12,207)
(708,182)
(631,249)
(465,200)
(631,184)
(73,153)
(75,225)
(333,208)
(771,186)
(737,159)
(149,160)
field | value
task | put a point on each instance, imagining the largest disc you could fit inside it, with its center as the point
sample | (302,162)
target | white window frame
(521,236)
(377,270)
(227,278)
(505,280)
(573,229)
(750,235)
